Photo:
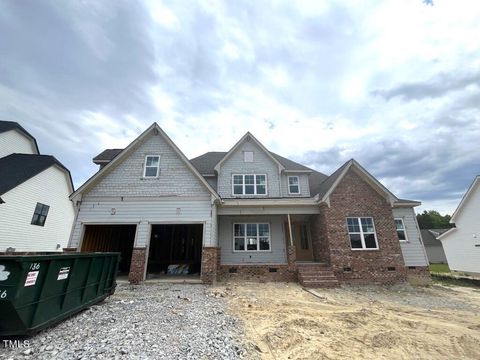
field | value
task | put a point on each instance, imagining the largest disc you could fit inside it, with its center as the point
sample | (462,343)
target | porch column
(291,250)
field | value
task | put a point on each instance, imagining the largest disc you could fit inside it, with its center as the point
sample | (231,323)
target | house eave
(268,202)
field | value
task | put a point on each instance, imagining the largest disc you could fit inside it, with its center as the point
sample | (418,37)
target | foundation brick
(210,264)
(137,266)
(260,273)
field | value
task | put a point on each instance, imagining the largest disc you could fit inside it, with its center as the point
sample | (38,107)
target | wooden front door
(302,241)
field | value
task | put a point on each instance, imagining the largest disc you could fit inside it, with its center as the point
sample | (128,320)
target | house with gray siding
(245,213)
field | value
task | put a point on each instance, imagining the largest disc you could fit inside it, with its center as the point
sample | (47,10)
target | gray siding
(436,254)
(143,213)
(304,185)
(126,179)
(262,164)
(413,250)
(277,255)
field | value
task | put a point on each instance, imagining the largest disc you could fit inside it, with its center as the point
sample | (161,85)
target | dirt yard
(283,321)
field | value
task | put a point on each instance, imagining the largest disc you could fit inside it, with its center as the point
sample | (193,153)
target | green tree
(432,219)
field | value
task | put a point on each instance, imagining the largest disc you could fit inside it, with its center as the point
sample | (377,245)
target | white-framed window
(251,237)
(248,156)
(293,185)
(152,166)
(249,184)
(361,231)
(401,231)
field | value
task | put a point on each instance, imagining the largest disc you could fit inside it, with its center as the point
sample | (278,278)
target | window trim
(404,230)
(362,238)
(145,167)
(254,185)
(298,184)
(258,237)
(40,214)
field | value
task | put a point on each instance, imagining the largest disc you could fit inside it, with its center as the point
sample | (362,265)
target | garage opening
(111,238)
(175,250)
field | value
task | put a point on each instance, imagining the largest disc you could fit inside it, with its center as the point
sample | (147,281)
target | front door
(302,241)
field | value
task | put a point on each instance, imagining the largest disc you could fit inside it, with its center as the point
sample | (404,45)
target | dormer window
(152,166)
(248,156)
(293,185)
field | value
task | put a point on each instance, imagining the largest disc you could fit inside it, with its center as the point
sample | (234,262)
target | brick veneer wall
(353,197)
(260,273)
(319,232)
(418,275)
(210,264)
(137,266)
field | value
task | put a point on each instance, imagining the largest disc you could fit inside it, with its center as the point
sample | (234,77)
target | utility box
(37,291)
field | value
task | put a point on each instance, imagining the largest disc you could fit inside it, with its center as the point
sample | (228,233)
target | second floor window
(293,185)
(251,184)
(40,214)
(152,163)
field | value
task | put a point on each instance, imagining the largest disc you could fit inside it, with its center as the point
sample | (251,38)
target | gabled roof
(18,168)
(205,163)
(326,188)
(430,236)
(247,137)
(465,198)
(106,156)
(155,128)
(12,125)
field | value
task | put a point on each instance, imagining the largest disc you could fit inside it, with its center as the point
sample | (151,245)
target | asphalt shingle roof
(430,238)
(107,154)
(18,168)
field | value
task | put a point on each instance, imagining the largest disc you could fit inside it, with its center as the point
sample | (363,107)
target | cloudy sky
(393,84)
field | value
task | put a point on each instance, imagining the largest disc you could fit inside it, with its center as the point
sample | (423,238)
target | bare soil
(283,321)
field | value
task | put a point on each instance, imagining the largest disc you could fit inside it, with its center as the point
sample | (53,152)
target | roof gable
(18,168)
(12,125)
(248,137)
(125,153)
(327,187)
(471,190)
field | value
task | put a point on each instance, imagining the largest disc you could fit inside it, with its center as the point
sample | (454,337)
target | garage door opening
(175,250)
(111,238)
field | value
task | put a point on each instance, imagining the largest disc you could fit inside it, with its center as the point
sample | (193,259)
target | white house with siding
(35,211)
(462,243)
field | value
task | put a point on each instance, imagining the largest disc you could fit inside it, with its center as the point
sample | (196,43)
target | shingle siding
(262,164)
(413,251)
(303,181)
(126,179)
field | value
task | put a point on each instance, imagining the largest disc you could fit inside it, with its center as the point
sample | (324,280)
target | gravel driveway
(152,321)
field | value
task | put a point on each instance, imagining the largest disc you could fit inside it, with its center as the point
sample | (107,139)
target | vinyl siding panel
(14,141)
(50,187)
(436,254)
(143,212)
(413,250)
(262,164)
(225,234)
(462,245)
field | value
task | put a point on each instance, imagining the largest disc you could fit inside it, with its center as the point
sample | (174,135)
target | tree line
(432,219)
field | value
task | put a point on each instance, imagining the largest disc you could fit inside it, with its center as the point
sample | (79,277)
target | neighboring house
(35,212)
(462,243)
(433,246)
(246,213)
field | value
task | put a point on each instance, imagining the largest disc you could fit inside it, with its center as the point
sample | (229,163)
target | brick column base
(210,264)
(419,275)
(69,249)
(291,256)
(137,265)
